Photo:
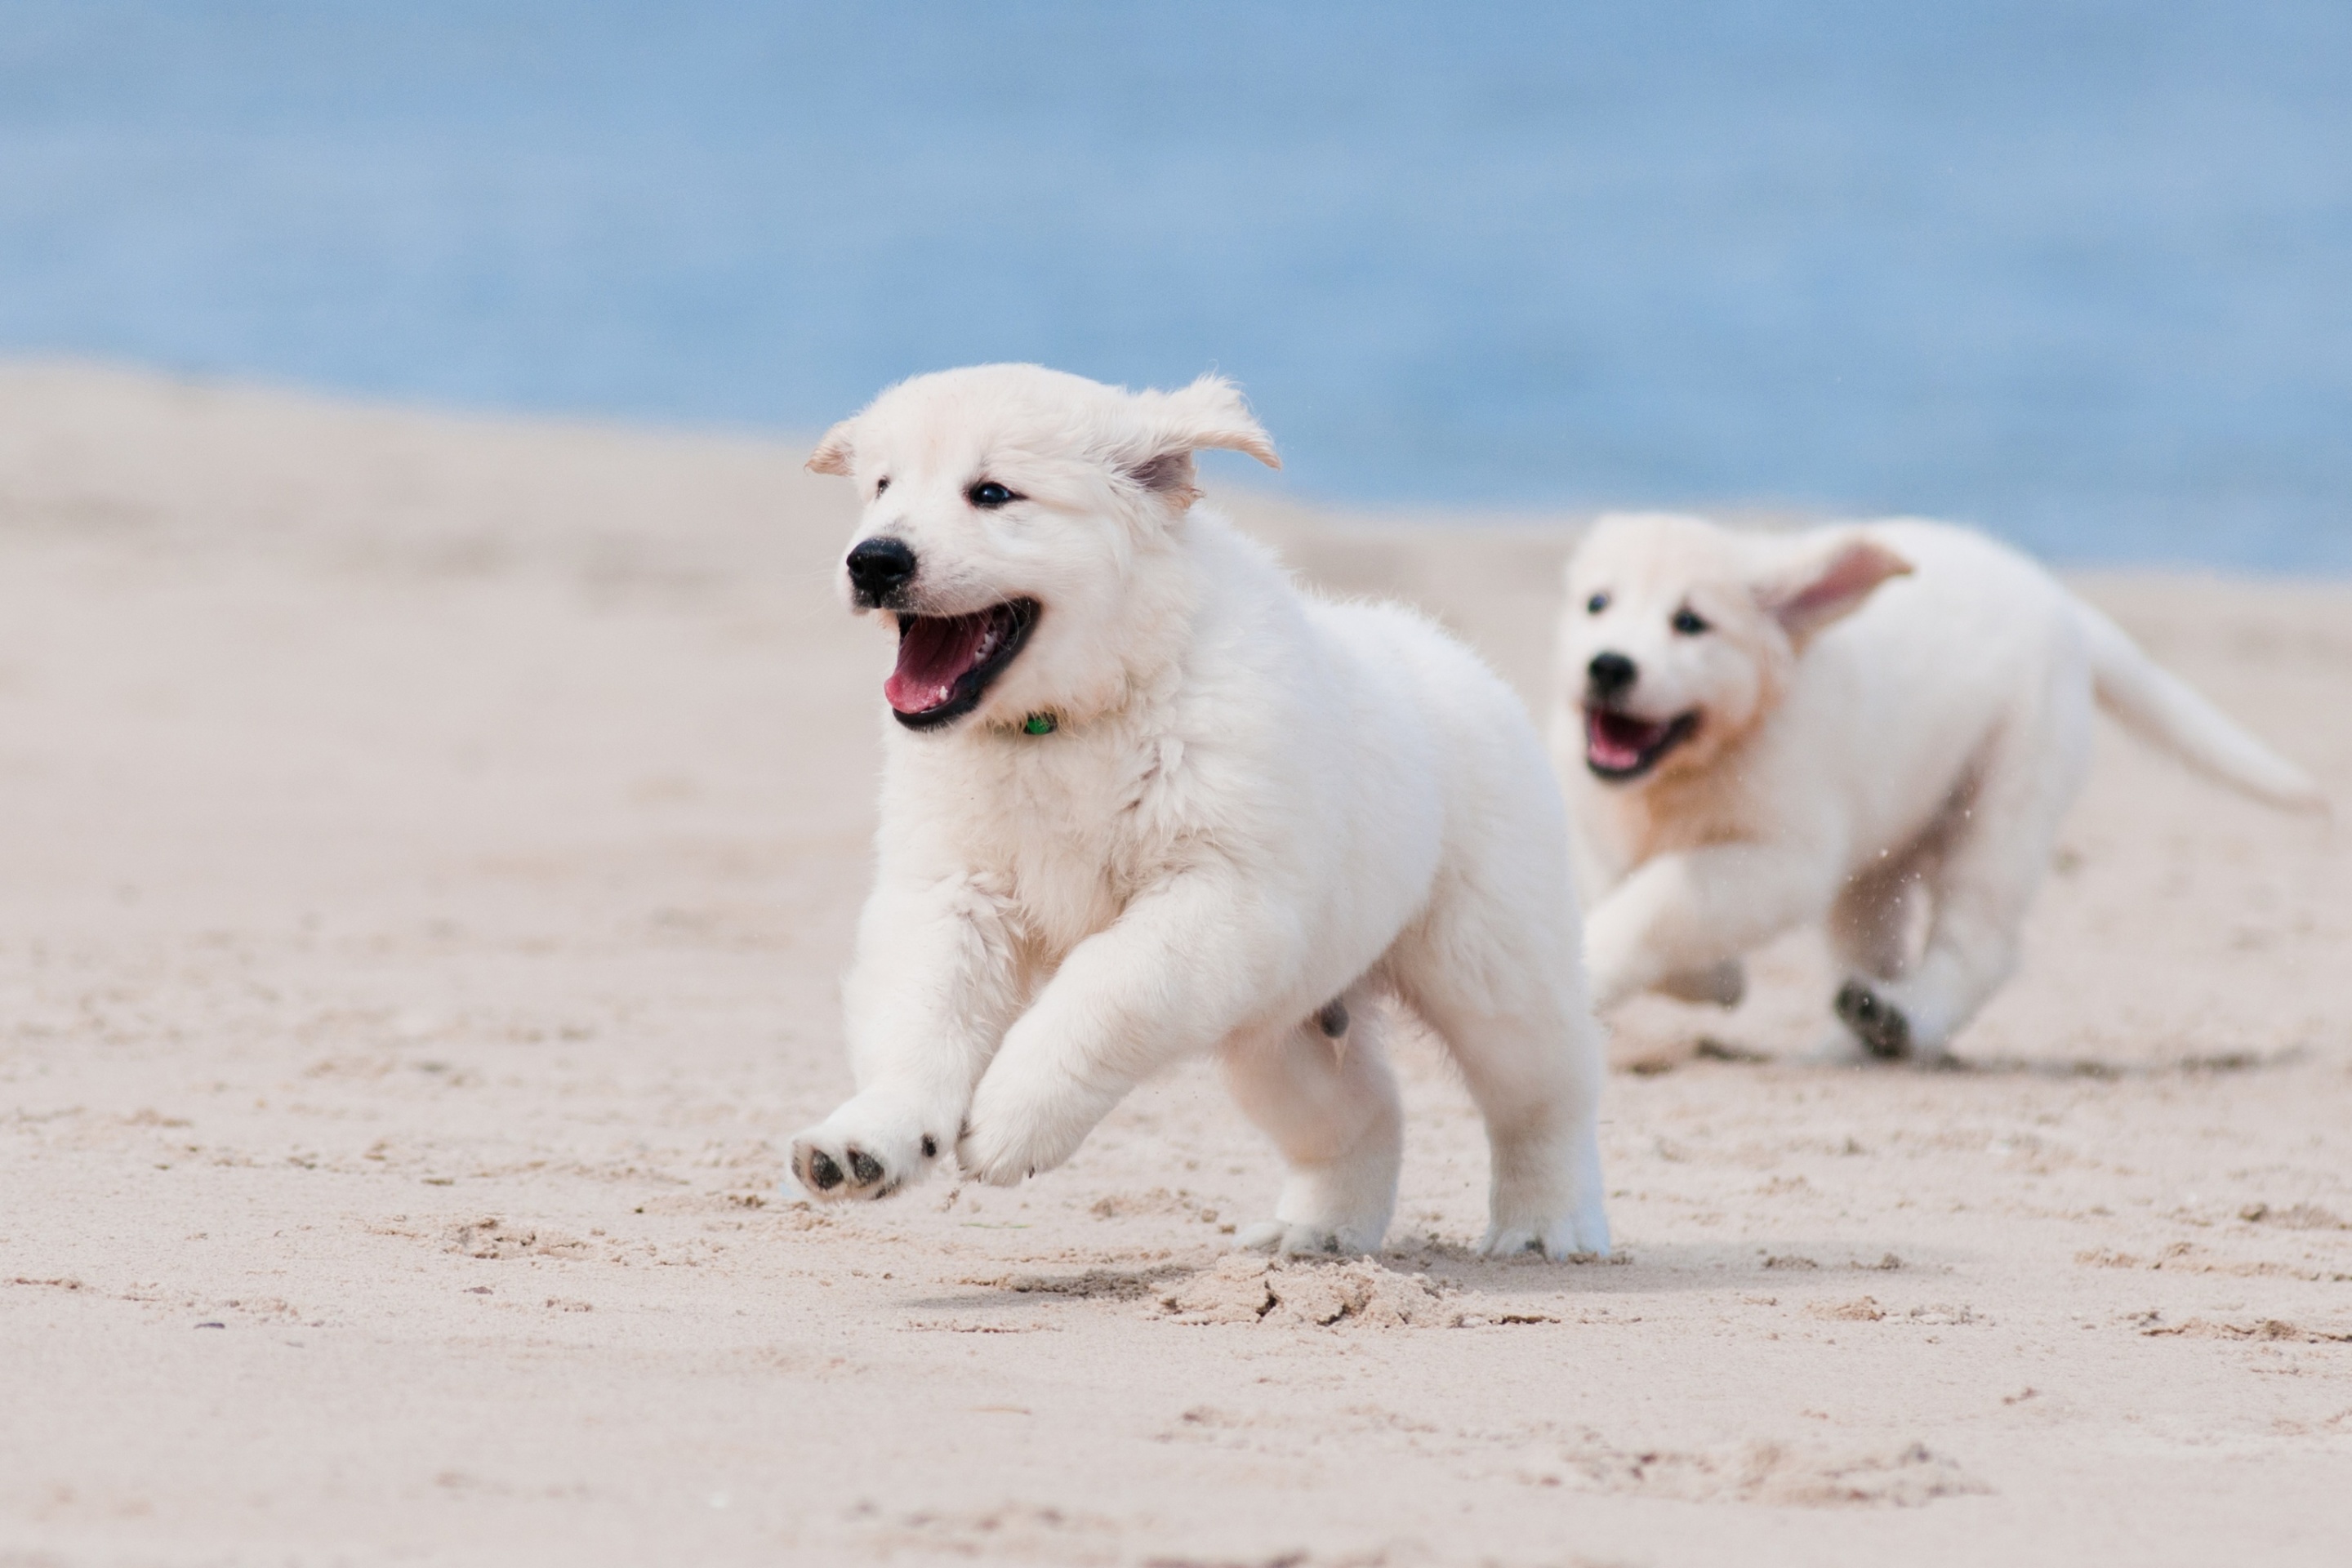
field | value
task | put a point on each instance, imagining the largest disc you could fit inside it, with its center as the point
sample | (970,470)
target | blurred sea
(2080,272)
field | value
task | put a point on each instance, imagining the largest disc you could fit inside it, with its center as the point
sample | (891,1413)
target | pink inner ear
(1856,569)
(1168,471)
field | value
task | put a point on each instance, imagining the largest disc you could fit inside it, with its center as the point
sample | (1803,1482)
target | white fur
(1889,715)
(1254,803)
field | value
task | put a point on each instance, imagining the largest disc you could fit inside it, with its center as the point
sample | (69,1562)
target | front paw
(1001,1152)
(1017,1129)
(862,1151)
(1617,965)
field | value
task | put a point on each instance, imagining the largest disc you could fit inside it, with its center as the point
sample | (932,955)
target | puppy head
(1012,516)
(1679,636)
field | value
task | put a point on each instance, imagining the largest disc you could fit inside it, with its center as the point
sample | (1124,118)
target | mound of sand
(1243,1288)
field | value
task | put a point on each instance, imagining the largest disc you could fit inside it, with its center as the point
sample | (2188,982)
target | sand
(430,846)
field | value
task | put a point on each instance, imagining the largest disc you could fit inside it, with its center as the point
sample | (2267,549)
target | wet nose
(879,567)
(1610,673)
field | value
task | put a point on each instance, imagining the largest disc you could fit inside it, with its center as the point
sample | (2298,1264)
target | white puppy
(1876,726)
(1143,800)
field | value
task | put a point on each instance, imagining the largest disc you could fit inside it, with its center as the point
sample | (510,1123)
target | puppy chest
(1072,878)
(1072,831)
(1068,886)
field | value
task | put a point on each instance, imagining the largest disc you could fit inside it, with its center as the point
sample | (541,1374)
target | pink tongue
(1616,742)
(934,652)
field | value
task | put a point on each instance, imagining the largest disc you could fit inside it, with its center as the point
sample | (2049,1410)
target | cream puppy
(1877,727)
(1143,800)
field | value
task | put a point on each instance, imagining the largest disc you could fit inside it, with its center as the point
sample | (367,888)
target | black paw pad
(865,1167)
(823,1174)
(1878,1024)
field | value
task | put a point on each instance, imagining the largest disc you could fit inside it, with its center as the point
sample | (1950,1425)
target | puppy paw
(862,1151)
(1877,1022)
(1004,1151)
(830,1167)
(1285,1239)
(996,1154)
(1029,1115)
(1583,1235)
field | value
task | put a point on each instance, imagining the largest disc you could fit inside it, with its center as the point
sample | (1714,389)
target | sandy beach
(431,845)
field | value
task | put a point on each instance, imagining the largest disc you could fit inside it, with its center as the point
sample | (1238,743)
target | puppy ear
(1175,425)
(1213,413)
(1826,583)
(834,454)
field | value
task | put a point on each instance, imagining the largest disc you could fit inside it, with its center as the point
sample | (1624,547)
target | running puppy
(1757,732)
(1143,800)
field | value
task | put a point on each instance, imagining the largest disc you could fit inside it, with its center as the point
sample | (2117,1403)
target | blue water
(2080,272)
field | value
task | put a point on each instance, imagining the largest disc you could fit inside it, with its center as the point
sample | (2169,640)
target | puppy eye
(880,485)
(1688,621)
(988,495)
(1595,605)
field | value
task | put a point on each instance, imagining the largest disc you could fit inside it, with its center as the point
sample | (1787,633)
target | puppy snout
(879,568)
(1610,674)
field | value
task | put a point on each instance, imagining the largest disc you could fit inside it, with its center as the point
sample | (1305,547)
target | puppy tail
(2164,710)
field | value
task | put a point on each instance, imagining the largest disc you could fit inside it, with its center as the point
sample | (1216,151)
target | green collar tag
(1038,724)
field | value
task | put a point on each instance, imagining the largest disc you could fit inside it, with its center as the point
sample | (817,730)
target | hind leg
(1988,861)
(1869,926)
(1509,1004)
(1723,984)
(1980,903)
(1329,1103)
(1871,940)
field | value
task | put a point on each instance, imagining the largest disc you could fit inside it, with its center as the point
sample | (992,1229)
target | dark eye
(880,485)
(988,495)
(1595,605)
(1688,621)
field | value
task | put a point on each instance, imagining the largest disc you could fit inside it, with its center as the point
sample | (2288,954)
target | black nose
(880,567)
(1610,673)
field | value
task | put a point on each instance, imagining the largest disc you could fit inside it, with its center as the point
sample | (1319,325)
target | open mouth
(1618,746)
(945,662)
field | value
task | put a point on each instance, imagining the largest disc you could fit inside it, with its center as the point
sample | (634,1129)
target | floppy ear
(1827,583)
(1211,412)
(1175,425)
(833,454)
